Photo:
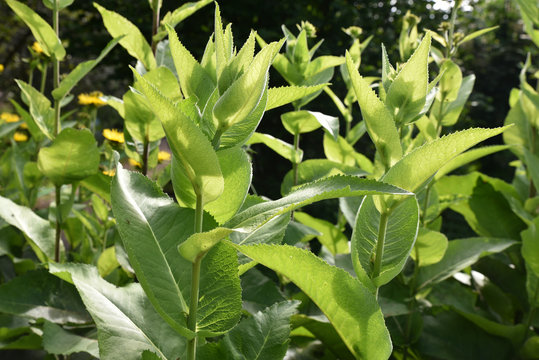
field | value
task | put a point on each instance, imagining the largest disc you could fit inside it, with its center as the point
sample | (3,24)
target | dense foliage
(152,239)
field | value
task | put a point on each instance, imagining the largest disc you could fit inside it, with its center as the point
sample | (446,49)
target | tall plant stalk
(57,129)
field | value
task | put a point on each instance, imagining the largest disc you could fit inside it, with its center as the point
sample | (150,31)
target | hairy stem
(195,280)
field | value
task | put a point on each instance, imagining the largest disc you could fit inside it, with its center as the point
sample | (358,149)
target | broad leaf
(58,341)
(126,322)
(72,156)
(42,31)
(40,108)
(152,226)
(80,71)
(351,307)
(429,247)
(38,230)
(380,124)
(330,236)
(299,122)
(133,40)
(342,152)
(460,254)
(188,144)
(37,294)
(381,243)
(530,247)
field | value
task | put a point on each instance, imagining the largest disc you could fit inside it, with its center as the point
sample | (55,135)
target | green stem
(155,26)
(43,78)
(295,163)
(216,141)
(57,128)
(145,154)
(531,315)
(425,205)
(31,76)
(384,218)
(452,28)
(195,283)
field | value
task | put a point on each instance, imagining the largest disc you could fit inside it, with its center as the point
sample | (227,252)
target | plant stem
(145,154)
(43,78)
(426,205)
(449,48)
(384,218)
(195,279)
(295,163)
(57,128)
(155,25)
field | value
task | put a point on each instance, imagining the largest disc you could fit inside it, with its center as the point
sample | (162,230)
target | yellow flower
(134,163)
(37,48)
(1,68)
(23,126)
(163,156)
(9,118)
(20,136)
(110,172)
(92,98)
(114,135)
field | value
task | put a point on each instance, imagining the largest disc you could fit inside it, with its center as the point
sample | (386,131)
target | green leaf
(188,144)
(72,156)
(322,63)
(58,341)
(133,41)
(420,164)
(177,16)
(287,94)
(380,124)
(81,71)
(280,147)
(349,306)
(62,4)
(194,79)
(40,108)
(107,262)
(450,82)
(406,95)
(198,244)
(126,322)
(152,226)
(467,157)
(37,294)
(330,236)
(315,169)
(237,64)
(381,243)
(243,96)
(429,247)
(38,230)
(460,254)
(514,333)
(42,31)
(452,111)
(477,33)
(263,336)
(33,128)
(342,152)
(530,247)
(299,122)
(328,188)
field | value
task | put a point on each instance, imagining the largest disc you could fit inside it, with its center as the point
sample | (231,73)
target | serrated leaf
(407,94)
(460,254)
(315,169)
(133,40)
(302,121)
(188,144)
(287,94)
(322,63)
(80,72)
(72,156)
(381,243)
(42,31)
(126,322)
(467,157)
(152,226)
(349,306)
(380,124)
(330,236)
(237,64)
(194,79)
(342,152)
(37,294)
(177,16)
(328,188)
(40,108)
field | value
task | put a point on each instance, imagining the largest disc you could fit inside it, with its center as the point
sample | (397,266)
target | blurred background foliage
(495,58)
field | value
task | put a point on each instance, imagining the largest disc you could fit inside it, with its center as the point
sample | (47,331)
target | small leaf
(42,31)
(429,247)
(133,40)
(287,94)
(299,122)
(330,236)
(342,152)
(280,147)
(62,4)
(81,71)
(380,124)
(126,322)
(72,156)
(198,244)
(460,254)
(477,34)
(349,306)
(40,108)
(177,16)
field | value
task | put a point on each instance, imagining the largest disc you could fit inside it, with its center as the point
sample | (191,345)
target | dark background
(494,58)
